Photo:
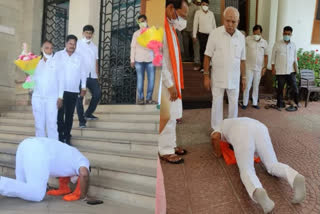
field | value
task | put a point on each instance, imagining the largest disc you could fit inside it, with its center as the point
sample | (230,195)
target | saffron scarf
(173,59)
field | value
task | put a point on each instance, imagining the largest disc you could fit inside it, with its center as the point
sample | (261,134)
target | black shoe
(82,125)
(91,117)
(244,107)
(256,107)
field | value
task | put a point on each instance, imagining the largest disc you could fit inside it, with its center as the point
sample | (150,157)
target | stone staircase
(121,147)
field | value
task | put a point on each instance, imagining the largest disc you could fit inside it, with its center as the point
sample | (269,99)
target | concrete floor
(55,205)
(205,184)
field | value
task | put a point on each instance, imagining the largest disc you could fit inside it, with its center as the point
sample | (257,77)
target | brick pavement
(206,185)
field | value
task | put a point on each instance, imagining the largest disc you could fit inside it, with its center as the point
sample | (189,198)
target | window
(316,25)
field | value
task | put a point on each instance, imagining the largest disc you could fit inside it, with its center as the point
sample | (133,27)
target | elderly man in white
(226,50)
(256,65)
(47,96)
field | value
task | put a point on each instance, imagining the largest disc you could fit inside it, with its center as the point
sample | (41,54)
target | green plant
(309,60)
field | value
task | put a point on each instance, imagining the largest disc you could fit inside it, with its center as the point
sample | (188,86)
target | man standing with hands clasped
(226,50)
(256,65)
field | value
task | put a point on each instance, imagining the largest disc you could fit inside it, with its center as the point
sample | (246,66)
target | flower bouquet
(27,62)
(151,38)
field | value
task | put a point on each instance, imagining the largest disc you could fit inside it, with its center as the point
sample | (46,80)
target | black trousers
(291,81)
(94,87)
(203,39)
(65,115)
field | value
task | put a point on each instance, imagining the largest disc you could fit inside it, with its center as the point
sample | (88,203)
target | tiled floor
(205,184)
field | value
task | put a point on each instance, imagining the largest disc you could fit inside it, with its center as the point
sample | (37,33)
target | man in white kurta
(226,50)
(167,139)
(70,63)
(47,94)
(256,65)
(37,159)
(249,136)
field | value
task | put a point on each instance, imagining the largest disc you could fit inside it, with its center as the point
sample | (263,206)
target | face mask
(143,24)
(286,38)
(180,23)
(205,8)
(86,40)
(189,1)
(257,37)
(47,56)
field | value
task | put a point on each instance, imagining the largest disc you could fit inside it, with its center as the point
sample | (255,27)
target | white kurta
(167,138)
(255,50)
(48,88)
(283,57)
(73,70)
(89,54)
(248,136)
(226,53)
(37,159)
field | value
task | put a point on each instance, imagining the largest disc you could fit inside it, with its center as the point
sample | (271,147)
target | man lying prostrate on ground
(248,136)
(39,158)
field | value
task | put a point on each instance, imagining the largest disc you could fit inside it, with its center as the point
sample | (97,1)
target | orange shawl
(173,60)
(228,154)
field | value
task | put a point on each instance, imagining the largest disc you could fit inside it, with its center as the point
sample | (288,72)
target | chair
(307,81)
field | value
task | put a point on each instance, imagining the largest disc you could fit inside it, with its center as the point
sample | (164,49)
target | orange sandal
(63,187)
(75,195)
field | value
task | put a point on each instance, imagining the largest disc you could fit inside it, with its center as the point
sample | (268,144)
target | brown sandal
(180,151)
(172,158)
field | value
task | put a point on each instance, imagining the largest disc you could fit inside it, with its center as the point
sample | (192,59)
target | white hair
(235,10)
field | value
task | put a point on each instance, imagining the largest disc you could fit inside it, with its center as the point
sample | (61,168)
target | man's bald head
(231,18)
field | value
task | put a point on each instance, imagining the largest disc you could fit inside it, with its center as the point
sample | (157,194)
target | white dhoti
(251,139)
(32,174)
(217,105)
(45,113)
(167,138)
(253,78)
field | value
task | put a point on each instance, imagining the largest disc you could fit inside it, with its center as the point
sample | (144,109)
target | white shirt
(73,70)
(203,22)
(48,80)
(226,52)
(283,57)
(168,77)
(139,53)
(89,54)
(256,50)
(64,160)
(234,128)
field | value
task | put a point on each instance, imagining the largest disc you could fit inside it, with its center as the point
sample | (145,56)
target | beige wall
(83,12)
(156,18)
(273,15)
(20,21)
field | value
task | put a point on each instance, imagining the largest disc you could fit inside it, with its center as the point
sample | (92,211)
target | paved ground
(205,184)
(55,205)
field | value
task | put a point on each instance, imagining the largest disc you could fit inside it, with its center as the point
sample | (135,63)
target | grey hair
(235,10)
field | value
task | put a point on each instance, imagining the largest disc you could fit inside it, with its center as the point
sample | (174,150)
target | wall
(299,15)
(20,21)
(273,15)
(155,11)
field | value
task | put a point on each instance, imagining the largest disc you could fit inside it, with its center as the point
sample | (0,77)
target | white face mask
(47,56)
(205,8)
(143,24)
(180,23)
(257,37)
(86,40)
